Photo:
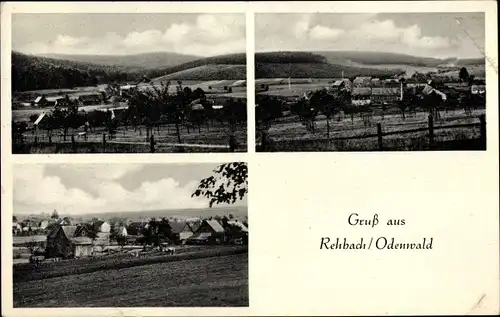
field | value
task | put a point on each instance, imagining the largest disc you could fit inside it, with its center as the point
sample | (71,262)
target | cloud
(325,33)
(338,32)
(208,35)
(36,192)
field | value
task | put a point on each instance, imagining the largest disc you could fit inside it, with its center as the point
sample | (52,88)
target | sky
(437,35)
(128,33)
(79,189)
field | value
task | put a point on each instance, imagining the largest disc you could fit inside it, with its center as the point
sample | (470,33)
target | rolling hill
(31,72)
(332,63)
(137,61)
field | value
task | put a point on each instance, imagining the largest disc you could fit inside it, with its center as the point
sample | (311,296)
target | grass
(204,282)
(216,134)
(288,134)
(23,239)
(26,272)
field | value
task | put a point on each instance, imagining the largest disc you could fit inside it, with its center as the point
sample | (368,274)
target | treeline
(289,57)
(34,73)
(229,59)
(311,70)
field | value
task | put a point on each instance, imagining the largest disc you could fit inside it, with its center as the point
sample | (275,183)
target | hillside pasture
(202,282)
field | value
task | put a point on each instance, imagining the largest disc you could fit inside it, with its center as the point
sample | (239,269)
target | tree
(228,184)
(463,74)
(14,219)
(54,215)
(33,246)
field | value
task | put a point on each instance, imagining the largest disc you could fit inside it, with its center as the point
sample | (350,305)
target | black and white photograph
(370,82)
(130,235)
(128,83)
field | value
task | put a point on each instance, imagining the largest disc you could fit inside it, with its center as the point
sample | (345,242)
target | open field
(16,240)
(209,281)
(289,134)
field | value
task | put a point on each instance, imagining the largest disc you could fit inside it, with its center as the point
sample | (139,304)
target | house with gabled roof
(209,232)
(68,242)
(180,231)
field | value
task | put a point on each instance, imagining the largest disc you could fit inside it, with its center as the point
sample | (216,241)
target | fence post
(104,142)
(152,143)
(482,119)
(73,143)
(232,143)
(50,139)
(431,131)
(379,135)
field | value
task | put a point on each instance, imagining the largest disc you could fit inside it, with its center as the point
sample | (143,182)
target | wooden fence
(430,128)
(152,145)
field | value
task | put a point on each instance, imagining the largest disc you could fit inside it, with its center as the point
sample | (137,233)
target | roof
(197,107)
(215,225)
(338,83)
(178,226)
(200,236)
(361,91)
(90,97)
(238,224)
(386,91)
(361,80)
(38,99)
(81,240)
(42,115)
(69,231)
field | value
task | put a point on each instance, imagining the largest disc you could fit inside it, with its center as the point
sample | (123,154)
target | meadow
(289,134)
(198,282)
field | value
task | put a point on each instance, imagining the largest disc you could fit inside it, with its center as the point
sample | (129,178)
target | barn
(180,231)
(209,232)
(386,94)
(91,99)
(68,242)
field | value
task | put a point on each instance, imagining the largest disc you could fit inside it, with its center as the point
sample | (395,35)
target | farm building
(428,89)
(40,101)
(386,94)
(16,228)
(62,102)
(181,230)
(122,231)
(68,242)
(209,232)
(88,100)
(236,230)
(478,89)
(362,82)
(342,84)
(361,96)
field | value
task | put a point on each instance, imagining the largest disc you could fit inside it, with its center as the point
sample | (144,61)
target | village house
(362,82)
(180,231)
(89,100)
(68,242)
(478,89)
(209,232)
(428,90)
(103,233)
(361,96)
(386,94)
(236,231)
(16,228)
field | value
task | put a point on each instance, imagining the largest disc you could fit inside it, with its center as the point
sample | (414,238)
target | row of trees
(150,108)
(331,103)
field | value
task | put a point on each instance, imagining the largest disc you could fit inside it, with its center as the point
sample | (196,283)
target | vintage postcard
(128,83)
(370,82)
(142,141)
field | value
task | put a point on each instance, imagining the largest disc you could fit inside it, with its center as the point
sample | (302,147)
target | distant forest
(33,73)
